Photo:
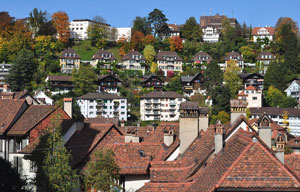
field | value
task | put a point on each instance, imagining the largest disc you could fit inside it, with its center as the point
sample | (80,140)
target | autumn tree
(99,35)
(102,171)
(137,39)
(231,77)
(158,22)
(84,80)
(61,23)
(153,67)
(124,46)
(6,24)
(22,71)
(175,44)
(149,40)
(141,24)
(222,116)
(248,54)
(149,54)
(191,30)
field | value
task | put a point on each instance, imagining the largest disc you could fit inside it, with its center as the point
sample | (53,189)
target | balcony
(156,101)
(173,103)
(148,101)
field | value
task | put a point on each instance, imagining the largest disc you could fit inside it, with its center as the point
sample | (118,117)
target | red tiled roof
(8,112)
(30,118)
(250,87)
(292,161)
(164,187)
(242,93)
(269,29)
(174,27)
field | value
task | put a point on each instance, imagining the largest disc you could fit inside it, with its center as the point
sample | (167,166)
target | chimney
(264,129)
(219,133)
(154,125)
(68,106)
(237,107)
(5,87)
(203,118)
(122,123)
(188,124)
(280,145)
(169,136)
(131,135)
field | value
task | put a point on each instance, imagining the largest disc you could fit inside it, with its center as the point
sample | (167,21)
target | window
(1,145)
(254,98)
(91,107)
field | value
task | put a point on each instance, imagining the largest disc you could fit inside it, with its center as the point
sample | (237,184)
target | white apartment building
(252,96)
(210,34)
(103,105)
(79,28)
(161,106)
(169,62)
(262,33)
(275,113)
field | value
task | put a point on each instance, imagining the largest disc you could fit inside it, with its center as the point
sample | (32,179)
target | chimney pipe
(68,106)
(122,123)
(219,137)
(169,137)
(264,129)
(280,145)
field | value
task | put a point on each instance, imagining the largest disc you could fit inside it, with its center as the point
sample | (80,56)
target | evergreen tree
(52,161)
(158,22)
(102,172)
(221,99)
(84,80)
(275,76)
(191,30)
(213,76)
(22,71)
(141,24)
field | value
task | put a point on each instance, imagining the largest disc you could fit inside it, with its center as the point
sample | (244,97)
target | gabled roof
(234,55)
(59,78)
(102,95)
(129,55)
(100,52)
(148,77)
(162,94)
(174,27)
(109,75)
(162,56)
(201,54)
(189,78)
(250,88)
(30,118)
(249,75)
(9,108)
(69,54)
(255,30)
(261,56)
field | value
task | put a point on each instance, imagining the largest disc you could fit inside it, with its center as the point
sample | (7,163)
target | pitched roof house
(133,60)
(103,57)
(262,33)
(169,62)
(69,60)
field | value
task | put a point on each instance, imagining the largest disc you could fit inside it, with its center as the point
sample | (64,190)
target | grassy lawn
(116,52)
(85,50)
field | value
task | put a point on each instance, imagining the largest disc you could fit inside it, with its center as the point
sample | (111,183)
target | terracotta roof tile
(250,87)
(271,30)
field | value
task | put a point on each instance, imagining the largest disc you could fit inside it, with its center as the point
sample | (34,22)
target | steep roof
(59,78)
(109,75)
(162,56)
(69,54)
(102,95)
(233,55)
(189,78)
(130,54)
(249,75)
(263,54)
(100,55)
(148,77)
(255,30)
(201,54)
(9,109)
(162,94)
(250,87)
(30,118)
(174,27)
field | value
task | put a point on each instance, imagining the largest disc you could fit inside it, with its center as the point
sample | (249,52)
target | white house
(265,58)
(237,57)
(42,98)
(103,104)
(293,90)
(210,34)
(252,96)
(133,61)
(169,62)
(162,106)
(262,33)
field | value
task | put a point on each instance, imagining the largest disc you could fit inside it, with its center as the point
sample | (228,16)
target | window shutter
(24,143)
(20,165)
(11,146)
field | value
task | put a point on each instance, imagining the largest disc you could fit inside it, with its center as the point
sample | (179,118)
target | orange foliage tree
(61,23)
(137,39)
(124,46)
(176,44)
(149,40)
(279,25)
(6,23)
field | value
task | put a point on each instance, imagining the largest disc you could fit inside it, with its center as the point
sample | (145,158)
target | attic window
(142,153)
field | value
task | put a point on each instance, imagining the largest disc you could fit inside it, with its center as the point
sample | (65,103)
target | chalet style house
(192,84)
(293,90)
(261,33)
(254,79)
(104,58)
(201,58)
(59,84)
(69,60)
(173,31)
(265,58)
(133,60)
(237,57)
(108,83)
(152,80)
(169,62)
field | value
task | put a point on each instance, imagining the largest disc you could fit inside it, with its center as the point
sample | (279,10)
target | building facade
(154,81)
(169,62)
(69,60)
(103,105)
(263,33)
(109,84)
(133,61)
(265,58)
(161,106)
(210,34)
(59,84)
(237,57)
(192,84)
(254,79)
(104,58)
(293,90)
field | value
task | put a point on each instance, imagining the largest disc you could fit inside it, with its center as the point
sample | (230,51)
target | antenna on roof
(232,14)
(210,12)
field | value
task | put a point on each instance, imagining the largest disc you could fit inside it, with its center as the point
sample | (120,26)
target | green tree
(141,24)
(84,80)
(174,84)
(37,20)
(222,116)
(149,53)
(191,30)
(221,99)
(10,179)
(213,76)
(22,71)
(158,22)
(99,35)
(228,35)
(275,76)
(52,161)
(248,54)
(231,77)
(102,172)
(276,98)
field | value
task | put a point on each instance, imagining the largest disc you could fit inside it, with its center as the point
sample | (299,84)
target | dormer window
(66,54)
(142,153)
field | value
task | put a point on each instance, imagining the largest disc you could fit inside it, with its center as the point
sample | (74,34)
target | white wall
(134,182)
